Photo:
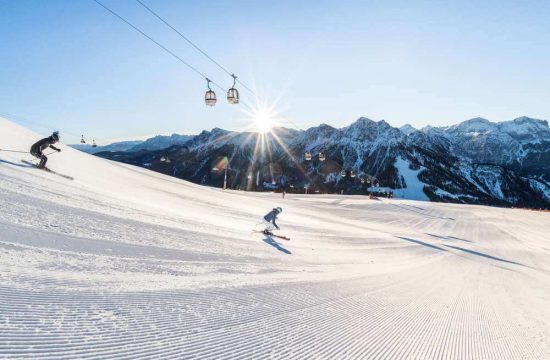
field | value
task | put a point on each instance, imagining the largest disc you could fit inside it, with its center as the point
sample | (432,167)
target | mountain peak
(476,125)
(525,126)
(407,129)
(362,122)
(529,120)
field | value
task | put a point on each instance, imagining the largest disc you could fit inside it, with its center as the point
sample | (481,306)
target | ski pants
(268,225)
(43,158)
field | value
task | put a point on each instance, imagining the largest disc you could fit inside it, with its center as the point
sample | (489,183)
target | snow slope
(413,188)
(127,263)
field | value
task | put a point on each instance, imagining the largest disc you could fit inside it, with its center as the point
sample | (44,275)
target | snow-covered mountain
(477,161)
(522,144)
(117,146)
(407,129)
(158,142)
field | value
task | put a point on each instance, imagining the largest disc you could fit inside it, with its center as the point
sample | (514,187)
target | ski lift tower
(226,166)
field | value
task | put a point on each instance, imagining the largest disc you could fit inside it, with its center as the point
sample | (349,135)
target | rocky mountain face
(476,161)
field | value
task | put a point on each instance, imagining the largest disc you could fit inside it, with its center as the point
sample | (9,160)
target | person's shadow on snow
(269,240)
(15,164)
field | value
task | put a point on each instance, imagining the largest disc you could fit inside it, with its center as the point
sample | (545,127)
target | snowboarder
(269,220)
(39,146)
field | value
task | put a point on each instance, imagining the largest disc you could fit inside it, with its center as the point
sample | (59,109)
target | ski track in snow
(135,264)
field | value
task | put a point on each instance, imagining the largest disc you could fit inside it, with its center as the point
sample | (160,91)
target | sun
(264,120)
(261,116)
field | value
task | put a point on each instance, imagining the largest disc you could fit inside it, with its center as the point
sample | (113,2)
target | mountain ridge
(476,161)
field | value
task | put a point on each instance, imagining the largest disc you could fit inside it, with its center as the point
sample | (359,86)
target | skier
(38,147)
(269,220)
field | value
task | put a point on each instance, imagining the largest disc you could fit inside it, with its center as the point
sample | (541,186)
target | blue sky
(72,66)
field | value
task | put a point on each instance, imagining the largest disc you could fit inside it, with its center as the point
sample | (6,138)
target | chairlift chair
(233,94)
(352,173)
(210,96)
(343,173)
(308,156)
(321,156)
(93,143)
(82,141)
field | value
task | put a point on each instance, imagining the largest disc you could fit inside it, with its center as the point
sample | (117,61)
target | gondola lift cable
(157,43)
(198,49)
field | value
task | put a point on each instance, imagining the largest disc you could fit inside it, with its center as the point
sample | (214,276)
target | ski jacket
(39,146)
(272,216)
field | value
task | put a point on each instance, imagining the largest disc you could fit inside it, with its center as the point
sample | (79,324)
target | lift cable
(194,45)
(157,43)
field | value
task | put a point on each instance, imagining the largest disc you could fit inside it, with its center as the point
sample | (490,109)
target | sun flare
(261,116)
(263,120)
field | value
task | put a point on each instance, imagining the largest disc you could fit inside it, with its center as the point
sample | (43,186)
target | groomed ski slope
(127,263)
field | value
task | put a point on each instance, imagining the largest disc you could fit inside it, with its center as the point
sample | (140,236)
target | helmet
(55,135)
(280,210)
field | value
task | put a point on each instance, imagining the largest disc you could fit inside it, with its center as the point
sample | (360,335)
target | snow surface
(415,187)
(123,262)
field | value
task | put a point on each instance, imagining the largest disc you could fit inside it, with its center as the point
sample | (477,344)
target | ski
(274,235)
(48,170)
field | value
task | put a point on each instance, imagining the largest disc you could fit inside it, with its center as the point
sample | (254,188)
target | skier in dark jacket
(269,220)
(38,148)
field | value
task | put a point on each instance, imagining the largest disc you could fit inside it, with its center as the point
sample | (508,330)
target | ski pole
(14,151)
(35,159)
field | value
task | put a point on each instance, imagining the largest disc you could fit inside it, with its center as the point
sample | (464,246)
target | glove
(58,150)
(278,228)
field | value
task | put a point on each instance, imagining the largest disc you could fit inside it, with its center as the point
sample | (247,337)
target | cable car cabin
(210,98)
(308,156)
(82,141)
(233,96)
(321,156)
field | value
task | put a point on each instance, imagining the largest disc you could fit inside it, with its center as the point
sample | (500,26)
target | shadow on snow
(421,243)
(14,164)
(269,240)
(473,252)
(447,237)
(484,255)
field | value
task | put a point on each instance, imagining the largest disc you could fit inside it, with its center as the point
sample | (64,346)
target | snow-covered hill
(123,262)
